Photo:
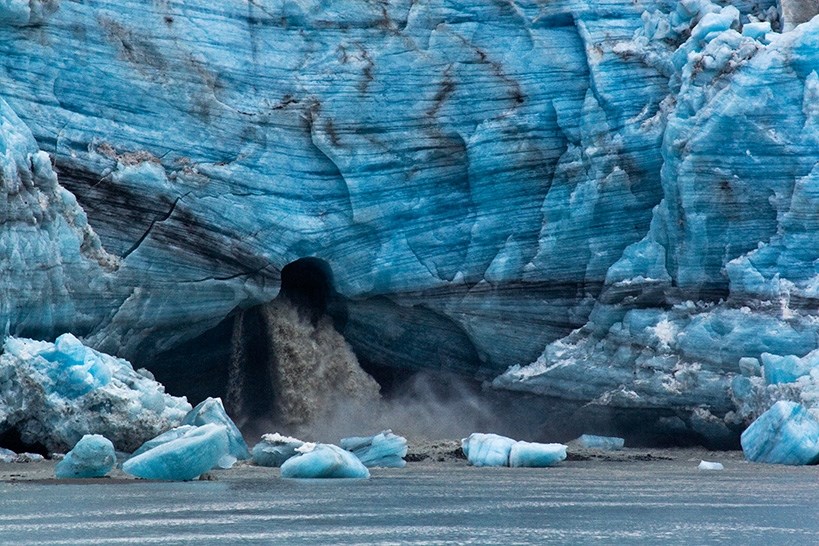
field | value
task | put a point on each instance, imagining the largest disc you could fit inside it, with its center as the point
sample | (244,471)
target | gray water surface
(668,502)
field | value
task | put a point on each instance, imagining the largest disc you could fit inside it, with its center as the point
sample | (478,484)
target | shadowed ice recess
(566,216)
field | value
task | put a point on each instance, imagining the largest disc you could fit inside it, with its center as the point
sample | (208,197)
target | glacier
(611,204)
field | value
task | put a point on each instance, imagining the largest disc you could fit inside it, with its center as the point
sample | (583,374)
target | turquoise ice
(213,411)
(198,450)
(487,449)
(785,434)
(55,393)
(535,455)
(323,461)
(92,457)
(385,449)
(274,449)
(607,443)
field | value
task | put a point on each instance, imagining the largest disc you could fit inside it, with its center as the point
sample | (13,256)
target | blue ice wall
(499,173)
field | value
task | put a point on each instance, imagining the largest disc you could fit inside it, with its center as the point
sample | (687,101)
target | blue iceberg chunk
(213,411)
(787,369)
(487,449)
(384,449)
(607,443)
(785,434)
(275,449)
(324,461)
(184,458)
(528,454)
(173,434)
(92,457)
(7,455)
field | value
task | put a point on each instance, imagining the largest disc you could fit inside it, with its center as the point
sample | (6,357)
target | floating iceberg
(527,454)
(606,443)
(785,434)
(7,455)
(92,457)
(487,449)
(55,393)
(384,449)
(195,452)
(173,434)
(275,449)
(323,461)
(213,411)
(707,465)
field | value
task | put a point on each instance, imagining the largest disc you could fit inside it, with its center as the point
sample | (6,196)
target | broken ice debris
(785,434)
(195,452)
(92,457)
(527,454)
(213,411)
(487,449)
(164,438)
(54,393)
(384,449)
(7,455)
(323,461)
(605,443)
(707,465)
(494,450)
(275,449)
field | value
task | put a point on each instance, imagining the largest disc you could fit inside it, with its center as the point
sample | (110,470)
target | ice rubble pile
(274,449)
(785,434)
(323,461)
(92,457)
(385,449)
(55,393)
(494,450)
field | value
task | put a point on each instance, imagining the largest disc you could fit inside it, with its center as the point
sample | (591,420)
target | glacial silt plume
(609,203)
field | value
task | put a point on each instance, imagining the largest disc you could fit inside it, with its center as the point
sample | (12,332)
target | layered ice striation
(93,457)
(314,461)
(55,393)
(615,198)
(385,449)
(605,443)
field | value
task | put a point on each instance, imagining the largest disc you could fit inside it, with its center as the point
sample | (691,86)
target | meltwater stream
(668,502)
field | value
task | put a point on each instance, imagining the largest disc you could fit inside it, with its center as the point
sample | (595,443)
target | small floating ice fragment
(384,449)
(487,449)
(605,443)
(92,457)
(274,449)
(533,455)
(707,465)
(7,455)
(323,461)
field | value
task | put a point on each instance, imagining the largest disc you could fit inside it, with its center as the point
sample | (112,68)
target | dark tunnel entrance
(308,283)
